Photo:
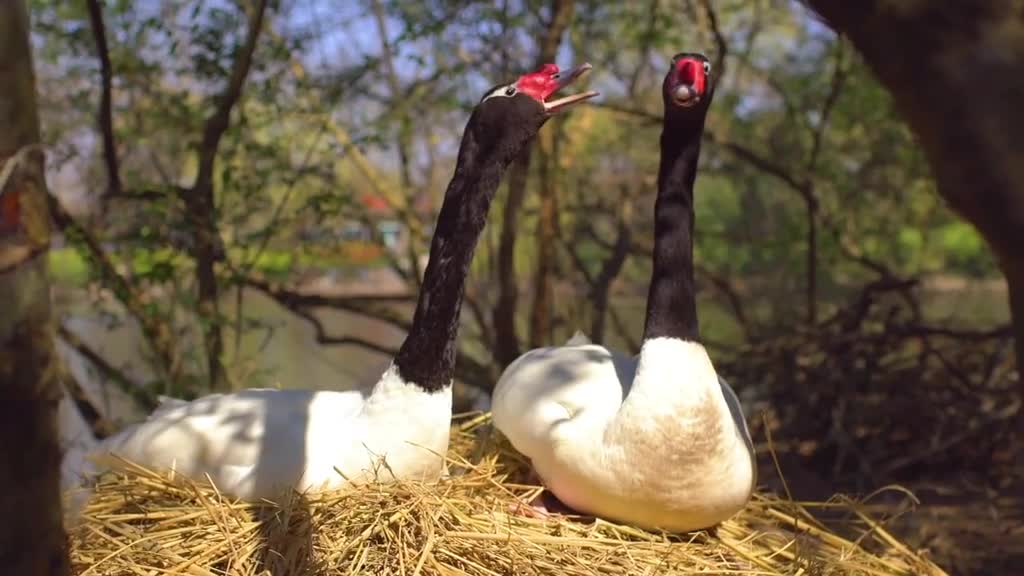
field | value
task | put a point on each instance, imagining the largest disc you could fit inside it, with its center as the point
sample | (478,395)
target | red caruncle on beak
(690,72)
(540,84)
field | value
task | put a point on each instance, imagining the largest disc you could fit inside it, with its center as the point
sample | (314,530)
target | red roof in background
(374,203)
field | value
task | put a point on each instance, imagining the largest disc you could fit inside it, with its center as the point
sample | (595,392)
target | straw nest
(140,522)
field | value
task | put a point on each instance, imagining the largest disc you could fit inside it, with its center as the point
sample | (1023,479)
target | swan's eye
(707,68)
(502,92)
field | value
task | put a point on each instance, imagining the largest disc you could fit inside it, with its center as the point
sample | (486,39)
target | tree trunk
(207,252)
(812,262)
(32,539)
(1014,271)
(956,72)
(541,320)
(506,345)
(547,234)
(200,203)
(601,290)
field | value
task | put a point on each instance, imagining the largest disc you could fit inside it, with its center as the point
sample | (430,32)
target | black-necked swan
(255,443)
(657,441)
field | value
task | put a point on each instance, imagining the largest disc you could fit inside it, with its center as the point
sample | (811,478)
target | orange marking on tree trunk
(10,209)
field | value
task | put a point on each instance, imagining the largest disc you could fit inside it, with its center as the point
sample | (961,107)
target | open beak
(691,81)
(685,96)
(563,79)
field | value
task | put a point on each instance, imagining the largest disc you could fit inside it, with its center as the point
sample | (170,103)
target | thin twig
(105,116)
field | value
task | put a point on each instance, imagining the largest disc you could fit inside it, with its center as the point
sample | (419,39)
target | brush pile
(876,394)
(143,522)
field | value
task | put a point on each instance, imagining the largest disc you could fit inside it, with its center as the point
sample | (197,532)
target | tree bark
(541,321)
(547,233)
(812,262)
(601,288)
(956,72)
(403,138)
(32,538)
(506,344)
(1014,270)
(200,204)
(105,117)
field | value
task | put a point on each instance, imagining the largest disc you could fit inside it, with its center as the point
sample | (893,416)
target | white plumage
(255,443)
(658,441)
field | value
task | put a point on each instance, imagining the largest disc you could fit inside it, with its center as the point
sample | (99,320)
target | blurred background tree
(247,190)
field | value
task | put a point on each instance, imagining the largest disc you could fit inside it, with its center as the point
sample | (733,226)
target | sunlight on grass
(68,267)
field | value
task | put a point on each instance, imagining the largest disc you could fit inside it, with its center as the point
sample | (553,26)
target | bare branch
(479,316)
(1002,331)
(620,327)
(147,195)
(200,204)
(506,341)
(793,109)
(761,163)
(720,42)
(105,116)
(369,306)
(736,149)
(647,117)
(218,122)
(467,369)
(855,255)
(546,234)
(400,204)
(610,268)
(278,211)
(732,297)
(301,304)
(756,26)
(506,344)
(138,392)
(578,263)
(541,321)
(323,338)
(642,247)
(810,198)
(645,47)
(403,139)
(835,89)
(101,427)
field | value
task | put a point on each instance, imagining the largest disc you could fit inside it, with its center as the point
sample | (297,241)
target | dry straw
(140,522)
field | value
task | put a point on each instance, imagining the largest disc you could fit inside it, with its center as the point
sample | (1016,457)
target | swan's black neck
(671,302)
(427,357)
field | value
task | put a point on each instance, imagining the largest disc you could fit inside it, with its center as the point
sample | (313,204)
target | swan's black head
(688,86)
(511,113)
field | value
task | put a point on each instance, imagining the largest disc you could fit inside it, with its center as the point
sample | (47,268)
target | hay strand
(142,522)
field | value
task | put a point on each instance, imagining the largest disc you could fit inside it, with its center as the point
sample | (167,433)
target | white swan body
(658,441)
(255,443)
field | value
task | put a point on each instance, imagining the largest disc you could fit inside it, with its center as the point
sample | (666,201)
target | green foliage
(965,249)
(325,122)
(68,267)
